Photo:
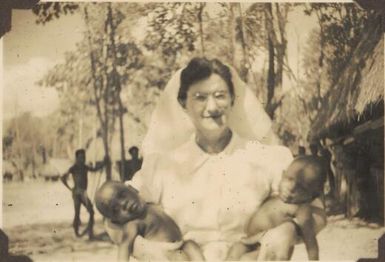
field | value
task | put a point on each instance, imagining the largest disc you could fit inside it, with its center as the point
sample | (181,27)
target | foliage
(93,76)
(341,26)
(269,44)
(171,30)
(134,54)
(49,11)
(23,141)
(327,52)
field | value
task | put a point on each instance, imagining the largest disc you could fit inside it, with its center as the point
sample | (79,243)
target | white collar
(229,148)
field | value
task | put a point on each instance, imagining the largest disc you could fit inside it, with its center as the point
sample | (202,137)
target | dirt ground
(37,218)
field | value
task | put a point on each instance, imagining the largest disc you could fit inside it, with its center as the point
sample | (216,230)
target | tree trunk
(232,33)
(320,62)
(271,56)
(281,46)
(117,82)
(277,53)
(80,135)
(103,118)
(245,65)
(270,78)
(122,148)
(200,20)
(107,154)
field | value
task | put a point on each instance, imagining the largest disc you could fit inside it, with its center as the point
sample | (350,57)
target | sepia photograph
(192,131)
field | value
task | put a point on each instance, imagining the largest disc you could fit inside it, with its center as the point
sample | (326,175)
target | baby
(300,184)
(124,207)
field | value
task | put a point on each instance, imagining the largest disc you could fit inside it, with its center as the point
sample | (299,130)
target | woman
(203,162)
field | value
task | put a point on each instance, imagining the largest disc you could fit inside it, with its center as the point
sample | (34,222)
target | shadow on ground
(51,238)
(342,222)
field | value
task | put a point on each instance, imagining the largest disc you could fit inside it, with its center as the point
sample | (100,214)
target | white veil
(170,126)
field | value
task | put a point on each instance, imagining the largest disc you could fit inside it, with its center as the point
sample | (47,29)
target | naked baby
(300,184)
(123,206)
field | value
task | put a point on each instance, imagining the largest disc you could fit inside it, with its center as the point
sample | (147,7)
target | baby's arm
(305,221)
(125,249)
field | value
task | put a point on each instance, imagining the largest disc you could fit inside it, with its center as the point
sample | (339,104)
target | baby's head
(119,202)
(302,181)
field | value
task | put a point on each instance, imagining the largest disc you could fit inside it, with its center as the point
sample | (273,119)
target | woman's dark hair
(201,68)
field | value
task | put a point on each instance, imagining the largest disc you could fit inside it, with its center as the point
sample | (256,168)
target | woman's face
(208,104)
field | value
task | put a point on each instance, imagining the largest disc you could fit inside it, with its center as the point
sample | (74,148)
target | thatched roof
(372,83)
(359,89)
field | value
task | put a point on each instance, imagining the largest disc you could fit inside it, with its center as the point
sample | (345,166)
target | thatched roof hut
(351,123)
(358,95)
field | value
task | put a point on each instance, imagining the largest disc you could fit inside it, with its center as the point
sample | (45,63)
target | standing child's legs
(88,204)
(76,222)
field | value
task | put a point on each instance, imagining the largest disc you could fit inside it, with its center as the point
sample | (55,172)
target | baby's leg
(236,251)
(193,251)
(278,243)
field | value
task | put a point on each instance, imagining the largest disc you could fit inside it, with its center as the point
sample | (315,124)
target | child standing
(79,173)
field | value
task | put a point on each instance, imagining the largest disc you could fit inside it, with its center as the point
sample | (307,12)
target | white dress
(211,196)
